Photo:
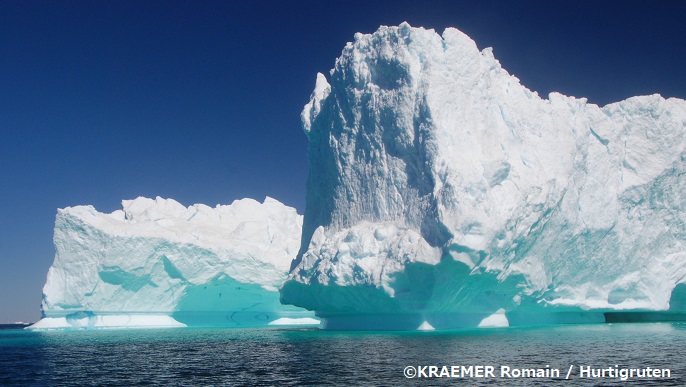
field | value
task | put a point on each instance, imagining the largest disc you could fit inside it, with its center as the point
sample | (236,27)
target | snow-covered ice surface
(157,263)
(444,193)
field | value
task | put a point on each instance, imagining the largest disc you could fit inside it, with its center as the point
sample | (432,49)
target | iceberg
(157,263)
(443,193)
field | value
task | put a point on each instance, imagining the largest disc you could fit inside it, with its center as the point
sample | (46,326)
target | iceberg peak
(311,110)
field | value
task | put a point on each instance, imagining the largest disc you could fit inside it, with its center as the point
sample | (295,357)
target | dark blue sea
(310,357)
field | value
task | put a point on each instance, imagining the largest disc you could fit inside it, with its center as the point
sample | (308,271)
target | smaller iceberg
(496,320)
(157,263)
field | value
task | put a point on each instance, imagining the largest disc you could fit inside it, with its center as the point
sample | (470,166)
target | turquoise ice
(159,263)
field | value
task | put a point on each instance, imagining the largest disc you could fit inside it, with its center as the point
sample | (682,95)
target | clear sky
(200,101)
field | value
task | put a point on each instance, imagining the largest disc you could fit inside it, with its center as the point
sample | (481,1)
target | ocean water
(310,357)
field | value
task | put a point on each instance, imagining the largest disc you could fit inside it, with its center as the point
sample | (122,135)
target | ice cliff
(158,263)
(442,193)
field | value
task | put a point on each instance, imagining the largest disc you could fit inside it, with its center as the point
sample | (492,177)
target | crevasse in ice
(442,193)
(159,263)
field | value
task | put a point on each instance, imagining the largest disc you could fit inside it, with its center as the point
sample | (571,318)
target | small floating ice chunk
(426,327)
(497,319)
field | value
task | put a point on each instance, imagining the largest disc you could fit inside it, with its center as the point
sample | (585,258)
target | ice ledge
(113,321)
(288,321)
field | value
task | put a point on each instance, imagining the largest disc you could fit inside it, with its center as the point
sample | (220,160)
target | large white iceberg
(157,263)
(443,193)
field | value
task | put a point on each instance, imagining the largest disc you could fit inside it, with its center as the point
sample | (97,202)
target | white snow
(295,321)
(439,184)
(496,320)
(425,326)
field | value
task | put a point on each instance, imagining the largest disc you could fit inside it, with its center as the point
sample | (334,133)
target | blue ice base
(226,319)
(449,296)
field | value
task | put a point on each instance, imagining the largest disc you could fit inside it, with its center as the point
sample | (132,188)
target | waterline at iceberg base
(444,194)
(448,296)
(156,263)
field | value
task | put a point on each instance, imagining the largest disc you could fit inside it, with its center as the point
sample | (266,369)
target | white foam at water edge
(295,321)
(107,321)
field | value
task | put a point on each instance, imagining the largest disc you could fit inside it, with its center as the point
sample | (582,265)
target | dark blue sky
(200,101)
